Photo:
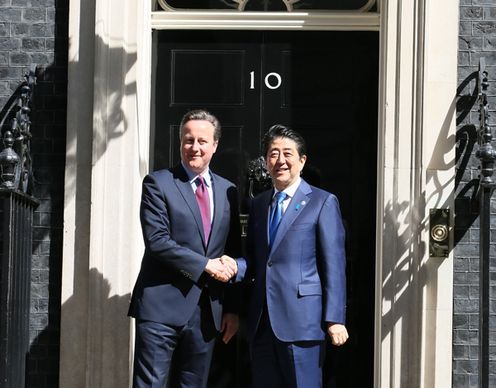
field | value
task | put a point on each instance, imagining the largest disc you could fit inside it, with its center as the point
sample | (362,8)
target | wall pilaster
(107,156)
(416,131)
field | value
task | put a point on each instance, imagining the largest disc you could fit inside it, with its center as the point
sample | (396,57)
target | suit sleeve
(155,225)
(332,261)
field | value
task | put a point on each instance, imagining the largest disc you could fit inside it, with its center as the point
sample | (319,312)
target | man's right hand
(230,262)
(220,271)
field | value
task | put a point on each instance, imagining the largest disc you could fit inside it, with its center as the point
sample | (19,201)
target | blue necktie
(276,215)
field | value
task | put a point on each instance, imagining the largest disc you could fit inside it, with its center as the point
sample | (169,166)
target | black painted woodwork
(328,92)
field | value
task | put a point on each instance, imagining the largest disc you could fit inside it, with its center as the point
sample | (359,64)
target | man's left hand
(229,326)
(338,333)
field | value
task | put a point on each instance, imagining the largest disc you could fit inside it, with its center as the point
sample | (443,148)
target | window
(269,5)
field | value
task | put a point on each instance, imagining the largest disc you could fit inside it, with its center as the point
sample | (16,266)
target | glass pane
(268,5)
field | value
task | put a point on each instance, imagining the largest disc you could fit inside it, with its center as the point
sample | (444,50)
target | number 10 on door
(271,80)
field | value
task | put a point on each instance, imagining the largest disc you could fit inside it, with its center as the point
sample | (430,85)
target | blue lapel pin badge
(302,203)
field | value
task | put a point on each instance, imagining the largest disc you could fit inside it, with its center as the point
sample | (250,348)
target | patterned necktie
(276,215)
(203,200)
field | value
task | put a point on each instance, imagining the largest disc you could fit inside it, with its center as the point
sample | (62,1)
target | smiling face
(284,163)
(197,145)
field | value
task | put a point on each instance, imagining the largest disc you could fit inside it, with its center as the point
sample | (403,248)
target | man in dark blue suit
(189,218)
(296,257)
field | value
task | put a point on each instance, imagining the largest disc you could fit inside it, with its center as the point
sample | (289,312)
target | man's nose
(281,159)
(195,146)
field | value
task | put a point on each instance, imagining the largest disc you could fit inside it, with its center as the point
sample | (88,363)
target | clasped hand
(222,268)
(338,333)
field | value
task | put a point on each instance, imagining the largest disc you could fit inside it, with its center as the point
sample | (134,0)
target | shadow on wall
(94,288)
(405,287)
(410,274)
(106,115)
(50,137)
(114,306)
(467,174)
(48,153)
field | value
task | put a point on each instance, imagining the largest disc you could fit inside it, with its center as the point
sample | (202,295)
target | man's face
(284,163)
(197,145)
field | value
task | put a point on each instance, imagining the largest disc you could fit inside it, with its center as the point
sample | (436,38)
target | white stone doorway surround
(108,131)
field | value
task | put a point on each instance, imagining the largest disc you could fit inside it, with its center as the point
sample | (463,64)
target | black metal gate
(16,237)
(16,233)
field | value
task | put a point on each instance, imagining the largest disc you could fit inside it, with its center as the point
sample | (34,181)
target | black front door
(324,85)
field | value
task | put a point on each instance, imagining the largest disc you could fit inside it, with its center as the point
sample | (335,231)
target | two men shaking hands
(223,268)
(295,261)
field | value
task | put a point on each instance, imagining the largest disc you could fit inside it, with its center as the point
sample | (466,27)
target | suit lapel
(184,187)
(294,209)
(219,204)
(263,228)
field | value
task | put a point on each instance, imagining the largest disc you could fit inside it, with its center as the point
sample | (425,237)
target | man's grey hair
(201,114)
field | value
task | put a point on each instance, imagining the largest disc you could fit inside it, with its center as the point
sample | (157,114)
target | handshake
(222,268)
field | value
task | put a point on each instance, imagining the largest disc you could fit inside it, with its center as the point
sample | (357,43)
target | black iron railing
(487,155)
(16,236)
(16,231)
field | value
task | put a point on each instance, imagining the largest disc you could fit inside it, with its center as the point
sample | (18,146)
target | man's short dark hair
(201,114)
(278,131)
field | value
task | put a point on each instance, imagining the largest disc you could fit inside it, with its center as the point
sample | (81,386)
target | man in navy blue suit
(189,218)
(296,258)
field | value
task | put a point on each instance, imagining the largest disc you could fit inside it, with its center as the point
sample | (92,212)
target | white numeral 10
(268,80)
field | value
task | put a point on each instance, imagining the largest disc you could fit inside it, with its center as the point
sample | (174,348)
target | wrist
(208,268)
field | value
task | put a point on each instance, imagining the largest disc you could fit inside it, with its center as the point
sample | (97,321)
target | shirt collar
(291,189)
(192,176)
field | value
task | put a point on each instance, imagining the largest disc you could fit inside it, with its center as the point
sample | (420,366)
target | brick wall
(477,38)
(35,32)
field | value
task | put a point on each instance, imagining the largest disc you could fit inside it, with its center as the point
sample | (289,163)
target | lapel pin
(298,205)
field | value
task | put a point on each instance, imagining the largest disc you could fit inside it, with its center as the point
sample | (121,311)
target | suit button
(269,263)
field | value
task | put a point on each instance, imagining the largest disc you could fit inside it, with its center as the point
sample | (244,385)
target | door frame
(109,91)
(280,21)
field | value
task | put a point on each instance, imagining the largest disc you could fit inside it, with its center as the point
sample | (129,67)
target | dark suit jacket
(302,276)
(172,275)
